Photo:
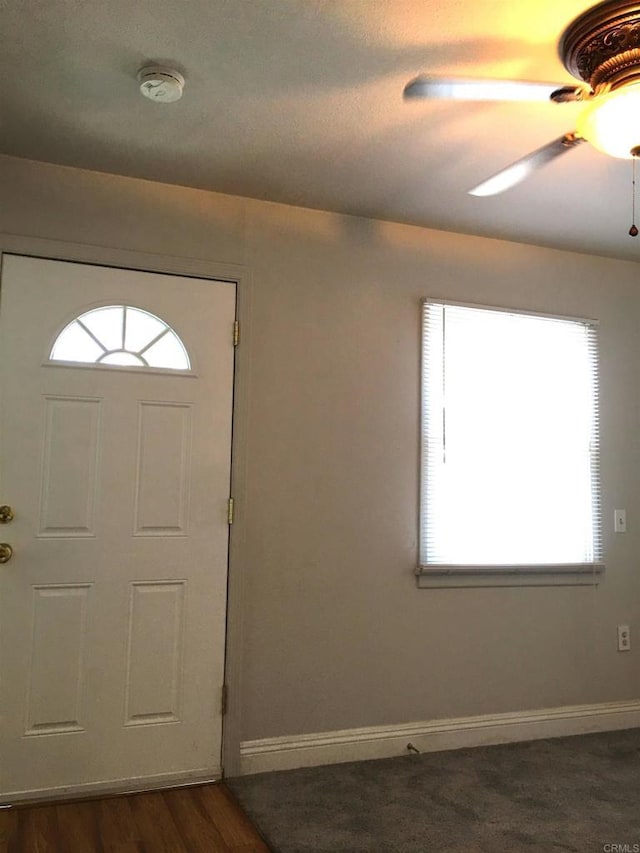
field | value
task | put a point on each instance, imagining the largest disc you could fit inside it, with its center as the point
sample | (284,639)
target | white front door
(115,452)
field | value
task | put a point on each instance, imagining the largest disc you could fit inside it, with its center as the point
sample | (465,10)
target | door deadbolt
(6,552)
(6,514)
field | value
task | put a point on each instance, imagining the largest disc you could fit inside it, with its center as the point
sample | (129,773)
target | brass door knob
(6,514)
(6,552)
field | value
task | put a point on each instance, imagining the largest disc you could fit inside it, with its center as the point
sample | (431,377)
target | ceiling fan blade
(460,89)
(521,169)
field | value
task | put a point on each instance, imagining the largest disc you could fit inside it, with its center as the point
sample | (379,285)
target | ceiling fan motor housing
(602,46)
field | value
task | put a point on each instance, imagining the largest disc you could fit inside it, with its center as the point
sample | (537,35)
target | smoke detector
(162,85)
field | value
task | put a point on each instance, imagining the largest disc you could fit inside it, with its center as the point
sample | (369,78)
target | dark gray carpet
(577,794)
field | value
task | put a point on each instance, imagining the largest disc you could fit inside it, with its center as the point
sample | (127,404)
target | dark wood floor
(205,819)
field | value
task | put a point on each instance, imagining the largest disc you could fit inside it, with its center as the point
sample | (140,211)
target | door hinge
(224,700)
(236,333)
(230,511)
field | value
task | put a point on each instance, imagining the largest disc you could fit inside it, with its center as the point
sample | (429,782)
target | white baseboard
(287,753)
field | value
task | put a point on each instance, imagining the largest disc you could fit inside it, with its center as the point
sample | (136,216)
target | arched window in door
(120,336)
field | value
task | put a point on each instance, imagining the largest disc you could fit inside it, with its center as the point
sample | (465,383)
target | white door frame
(206,269)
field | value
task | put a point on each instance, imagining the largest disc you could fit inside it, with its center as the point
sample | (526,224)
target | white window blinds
(510,466)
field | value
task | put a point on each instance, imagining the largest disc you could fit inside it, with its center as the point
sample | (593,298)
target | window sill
(460,577)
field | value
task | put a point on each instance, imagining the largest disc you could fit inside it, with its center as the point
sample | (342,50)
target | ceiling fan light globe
(611,123)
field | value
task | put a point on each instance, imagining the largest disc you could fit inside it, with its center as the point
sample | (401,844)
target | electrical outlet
(619,521)
(624,638)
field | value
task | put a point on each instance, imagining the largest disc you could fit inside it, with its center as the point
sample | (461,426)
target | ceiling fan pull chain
(633,231)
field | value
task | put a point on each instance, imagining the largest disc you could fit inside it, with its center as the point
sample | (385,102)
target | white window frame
(430,575)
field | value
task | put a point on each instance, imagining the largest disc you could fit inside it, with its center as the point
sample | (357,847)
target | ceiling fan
(601,48)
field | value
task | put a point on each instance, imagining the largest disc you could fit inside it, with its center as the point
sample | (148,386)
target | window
(510,471)
(120,335)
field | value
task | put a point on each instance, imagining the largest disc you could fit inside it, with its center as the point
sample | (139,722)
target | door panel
(155,659)
(56,666)
(70,466)
(162,469)
(112,608)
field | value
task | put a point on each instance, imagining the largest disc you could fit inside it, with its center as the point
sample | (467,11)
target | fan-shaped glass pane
(75,344)
(141,329)
(167,352)
(107,324)
(121,335)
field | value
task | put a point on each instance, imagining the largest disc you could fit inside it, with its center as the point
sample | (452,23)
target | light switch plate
(620,521)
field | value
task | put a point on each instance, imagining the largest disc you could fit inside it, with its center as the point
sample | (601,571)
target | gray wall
(330,630)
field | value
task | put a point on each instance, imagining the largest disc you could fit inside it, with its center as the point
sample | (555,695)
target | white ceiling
(300,101)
